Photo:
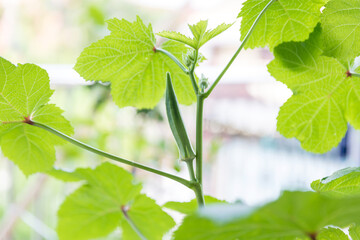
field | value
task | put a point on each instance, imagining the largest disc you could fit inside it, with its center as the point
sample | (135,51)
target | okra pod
(176,123)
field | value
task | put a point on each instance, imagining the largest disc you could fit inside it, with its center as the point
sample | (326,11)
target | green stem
(193,81)
(185,182)
(199,136)
(197,188)
(355,74)
(190,166)
(239,49)
(174,59)
(192,73)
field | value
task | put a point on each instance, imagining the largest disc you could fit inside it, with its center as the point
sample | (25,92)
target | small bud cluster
(203,83)
(189,58)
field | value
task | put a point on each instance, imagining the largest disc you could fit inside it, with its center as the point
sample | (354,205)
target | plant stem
(192,73)
(195,180)
(239,49)
(170,55)
(199,137)
(193,81)
(355,74)
(183,181)
(197,188)
(190,166)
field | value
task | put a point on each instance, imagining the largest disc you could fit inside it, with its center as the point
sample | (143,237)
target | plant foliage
(109,199)
(24,96)
(295,215)
(314,42)
(284,21)
(128,59)
(200,34)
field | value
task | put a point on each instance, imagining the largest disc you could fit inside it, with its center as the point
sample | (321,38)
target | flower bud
(203,83)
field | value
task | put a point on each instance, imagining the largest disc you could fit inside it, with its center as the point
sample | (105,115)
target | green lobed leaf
(315,118)
(176,36)
(342,183)
(109,199)
(354,232)
(210,34)
(216,222)
(200,34)
(353,102)
(295,215)
(198,30)
(332,234)
(181,82)
(341,23)
(128,59)
(324,95)
(300,65)
(192,206)
(66,176)
(284,21)
(24,94)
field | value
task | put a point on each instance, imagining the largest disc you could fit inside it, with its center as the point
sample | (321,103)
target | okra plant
(315,44)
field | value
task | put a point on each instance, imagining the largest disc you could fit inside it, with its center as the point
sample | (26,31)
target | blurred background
(246,159)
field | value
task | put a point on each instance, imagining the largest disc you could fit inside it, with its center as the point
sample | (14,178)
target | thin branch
(192,73)
(172,57)
(355,74)
(239,49)
(112,157)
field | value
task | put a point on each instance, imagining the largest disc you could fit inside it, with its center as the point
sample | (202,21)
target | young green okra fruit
(176,123)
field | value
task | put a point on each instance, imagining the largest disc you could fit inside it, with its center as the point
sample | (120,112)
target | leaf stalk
(89,148)
(207,94)
(172,57)
(353,74)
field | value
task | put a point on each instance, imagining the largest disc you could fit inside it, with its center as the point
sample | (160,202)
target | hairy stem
(183,181)
(172,57)
(239,49)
